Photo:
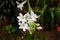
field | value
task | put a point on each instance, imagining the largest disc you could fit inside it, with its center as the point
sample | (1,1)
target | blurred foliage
(48,13)
(33,36)
(58,11)
(10,29)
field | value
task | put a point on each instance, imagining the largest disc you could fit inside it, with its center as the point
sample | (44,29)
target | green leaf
(13,30)
(10,26)
(37,2)
(52,15)
(45,6)
(7,28)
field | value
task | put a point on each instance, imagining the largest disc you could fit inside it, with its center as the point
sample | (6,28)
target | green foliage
(47,15)
(57,11)
(10,28)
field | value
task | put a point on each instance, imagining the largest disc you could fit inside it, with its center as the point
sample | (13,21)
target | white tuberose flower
(20,5)
(27,16)
(24,27)
(32,17)
(22,22)
(21,18)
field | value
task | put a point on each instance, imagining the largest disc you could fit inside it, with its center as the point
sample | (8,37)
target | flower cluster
(26,21)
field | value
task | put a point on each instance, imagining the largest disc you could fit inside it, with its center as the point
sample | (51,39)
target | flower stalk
(29,8)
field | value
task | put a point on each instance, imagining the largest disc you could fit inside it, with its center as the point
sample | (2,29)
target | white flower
(22,22)
(32,17)
(24,27)
(20,5)
(37,24)
(27,16)
(21,18)
(39,28)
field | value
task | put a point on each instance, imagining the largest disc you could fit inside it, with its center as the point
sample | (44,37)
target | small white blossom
(39,28)
(22,22)
(32,17)
(33,14)
(37,24)
(27,16)
(24,27)
(20,5)
(21,18)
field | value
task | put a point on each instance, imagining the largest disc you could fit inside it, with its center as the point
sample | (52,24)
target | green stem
(37,2)
(31,37)
(29,8)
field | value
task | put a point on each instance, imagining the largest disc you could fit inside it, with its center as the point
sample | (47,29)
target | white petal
(17,2)
(18,17)
(39,28)
(26,15)
(29,21)
(24,20)
(27,28)
(24,29)
(33,15)
(20,6)
(34,19)
(19,23)
(20,27)
(26,25)
(37,24)
(20,14)
(19,20)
